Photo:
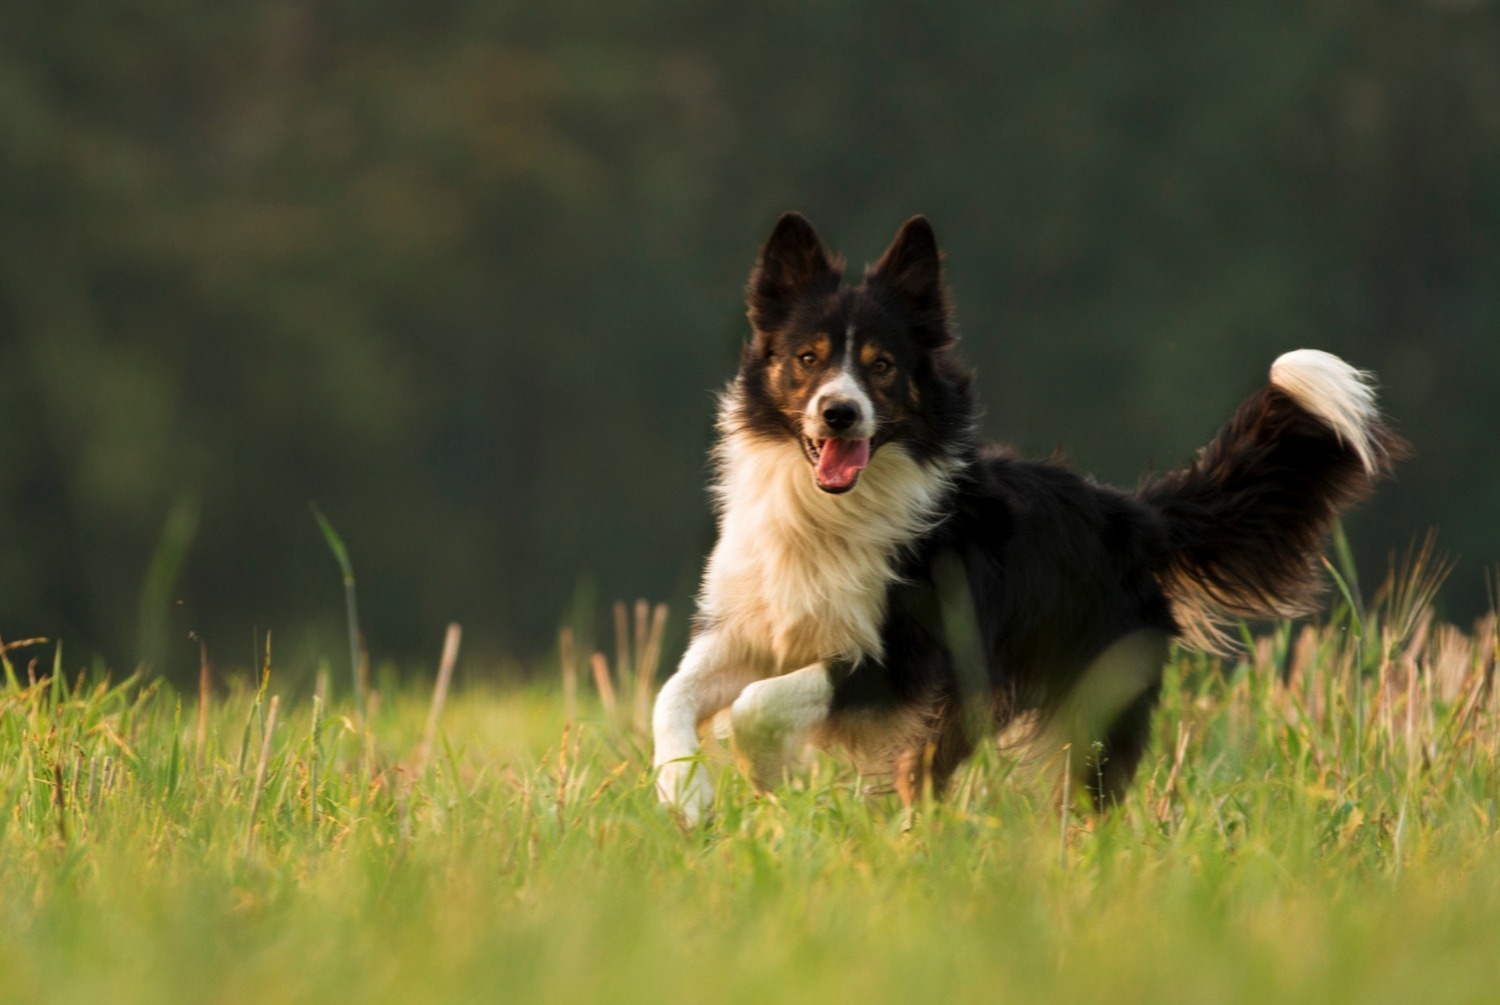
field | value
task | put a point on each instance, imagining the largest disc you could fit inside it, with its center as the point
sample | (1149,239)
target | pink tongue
(841,461)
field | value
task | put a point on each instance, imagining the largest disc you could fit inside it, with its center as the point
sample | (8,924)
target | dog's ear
(792,264)
(911,270)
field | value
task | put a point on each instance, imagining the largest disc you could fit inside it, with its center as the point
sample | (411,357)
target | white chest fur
(799,575)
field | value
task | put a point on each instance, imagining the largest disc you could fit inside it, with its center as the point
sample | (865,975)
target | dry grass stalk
(77,779)
(561,802)
(622,646)
(642,626)
(1450,661)
(1411,712)
(59,800)
(439,693)
(647,664)
(628,688)
(204,679)
(6,647)
(569,673)
(260,772)
(1164,804)
(1412,586)
(1304,655)
(603,683)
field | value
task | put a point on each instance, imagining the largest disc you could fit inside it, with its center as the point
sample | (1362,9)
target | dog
(885,583)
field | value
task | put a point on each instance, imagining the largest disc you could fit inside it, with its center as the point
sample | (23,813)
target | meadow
(1316,821)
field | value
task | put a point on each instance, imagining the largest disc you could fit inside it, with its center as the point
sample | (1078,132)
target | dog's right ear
(792,265)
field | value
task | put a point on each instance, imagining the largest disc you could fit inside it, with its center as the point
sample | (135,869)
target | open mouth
(837,462)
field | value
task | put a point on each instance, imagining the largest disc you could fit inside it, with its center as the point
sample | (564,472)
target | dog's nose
(840,415)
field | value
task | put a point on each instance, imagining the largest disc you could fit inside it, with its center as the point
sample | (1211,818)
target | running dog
(884,582)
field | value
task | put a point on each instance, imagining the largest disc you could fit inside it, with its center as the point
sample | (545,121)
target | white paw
(684,786)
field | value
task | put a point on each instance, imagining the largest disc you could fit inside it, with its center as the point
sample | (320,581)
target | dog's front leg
(773,720)
(713,671)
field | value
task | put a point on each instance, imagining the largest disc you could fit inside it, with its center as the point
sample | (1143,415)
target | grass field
(1317,822)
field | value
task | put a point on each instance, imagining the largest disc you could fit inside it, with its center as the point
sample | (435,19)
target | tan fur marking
(822,345)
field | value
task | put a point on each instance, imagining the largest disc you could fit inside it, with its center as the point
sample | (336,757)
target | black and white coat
(883,583)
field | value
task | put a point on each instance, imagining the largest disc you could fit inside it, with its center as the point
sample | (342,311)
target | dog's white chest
(796,599)
(799,575)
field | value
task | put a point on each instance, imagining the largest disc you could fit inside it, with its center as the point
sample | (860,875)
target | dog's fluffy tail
(1245,521)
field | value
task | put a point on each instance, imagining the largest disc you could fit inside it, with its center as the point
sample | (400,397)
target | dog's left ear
(912,271)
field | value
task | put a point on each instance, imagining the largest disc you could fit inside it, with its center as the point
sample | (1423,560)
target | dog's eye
(808,358)
(880,365)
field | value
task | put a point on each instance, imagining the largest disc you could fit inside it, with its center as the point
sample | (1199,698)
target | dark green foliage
(467,273)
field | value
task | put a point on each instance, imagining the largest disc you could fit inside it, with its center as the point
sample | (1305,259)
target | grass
(1317,822)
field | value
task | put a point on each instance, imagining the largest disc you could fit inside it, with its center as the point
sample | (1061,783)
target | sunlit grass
(1315,823)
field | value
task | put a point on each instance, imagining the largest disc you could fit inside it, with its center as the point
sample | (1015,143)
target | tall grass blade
(1348,572)
(162,573)
(351,609)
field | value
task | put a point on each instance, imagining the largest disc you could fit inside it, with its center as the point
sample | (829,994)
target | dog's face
(845,371)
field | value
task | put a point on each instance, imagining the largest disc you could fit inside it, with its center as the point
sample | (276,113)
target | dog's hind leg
(773,720)
(1118,696)
(1112,762)
(925,769)
(1106,719)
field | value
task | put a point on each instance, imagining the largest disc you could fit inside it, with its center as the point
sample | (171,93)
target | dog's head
(845,371)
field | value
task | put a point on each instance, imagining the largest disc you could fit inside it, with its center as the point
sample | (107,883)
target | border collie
(885,583)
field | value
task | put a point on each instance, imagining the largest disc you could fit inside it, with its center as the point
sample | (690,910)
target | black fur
(1058,569)
(1074,587)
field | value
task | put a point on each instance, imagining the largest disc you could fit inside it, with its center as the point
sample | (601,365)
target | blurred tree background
(468,274)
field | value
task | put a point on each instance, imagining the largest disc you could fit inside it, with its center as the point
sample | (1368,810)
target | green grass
(1329,838)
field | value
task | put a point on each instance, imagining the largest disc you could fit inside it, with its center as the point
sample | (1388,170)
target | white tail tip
(1335,392)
